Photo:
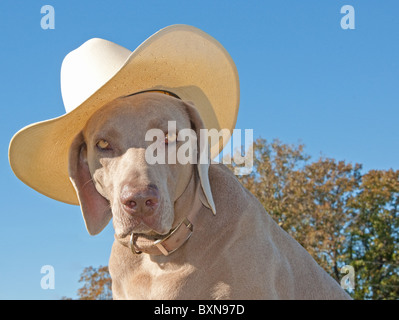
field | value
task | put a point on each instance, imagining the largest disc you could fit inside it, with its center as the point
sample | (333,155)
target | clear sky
(303,79)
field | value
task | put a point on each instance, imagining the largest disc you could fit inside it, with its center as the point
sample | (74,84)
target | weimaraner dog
(236,250)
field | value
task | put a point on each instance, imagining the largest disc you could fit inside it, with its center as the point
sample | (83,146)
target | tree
(374,236)
(97,284)
(338,215)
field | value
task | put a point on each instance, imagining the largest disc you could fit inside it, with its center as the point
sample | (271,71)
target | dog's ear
(95,208)
(203,154)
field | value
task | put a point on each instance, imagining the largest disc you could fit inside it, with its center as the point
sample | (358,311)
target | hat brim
(180,59)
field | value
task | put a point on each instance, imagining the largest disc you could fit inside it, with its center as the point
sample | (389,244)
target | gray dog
(235,250)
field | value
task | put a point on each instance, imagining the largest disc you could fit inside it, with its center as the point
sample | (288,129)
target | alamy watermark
(185,147)
(348,281)
(348,20)
(48,280)
(48,19)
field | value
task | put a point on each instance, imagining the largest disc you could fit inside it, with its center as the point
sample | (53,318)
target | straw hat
(179,59)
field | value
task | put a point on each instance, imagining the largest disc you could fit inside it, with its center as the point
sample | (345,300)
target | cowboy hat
(178,59)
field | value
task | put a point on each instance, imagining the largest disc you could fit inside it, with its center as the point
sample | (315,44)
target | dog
(182,231)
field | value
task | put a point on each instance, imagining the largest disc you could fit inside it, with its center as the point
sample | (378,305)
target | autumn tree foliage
(340,215)
(96,284)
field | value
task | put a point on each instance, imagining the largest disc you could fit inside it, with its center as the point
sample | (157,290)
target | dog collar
(167,245)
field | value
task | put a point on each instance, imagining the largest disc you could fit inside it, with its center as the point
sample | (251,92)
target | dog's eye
(103,145)
(170,138)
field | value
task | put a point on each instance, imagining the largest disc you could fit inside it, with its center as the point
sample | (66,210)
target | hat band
(169,93)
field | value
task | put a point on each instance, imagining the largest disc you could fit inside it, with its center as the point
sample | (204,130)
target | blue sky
(303,79)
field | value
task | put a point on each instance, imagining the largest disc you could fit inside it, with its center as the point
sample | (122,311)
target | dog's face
(110,168)
(141,195)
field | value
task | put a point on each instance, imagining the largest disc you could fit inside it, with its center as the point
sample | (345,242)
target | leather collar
(168,244)
(176,238)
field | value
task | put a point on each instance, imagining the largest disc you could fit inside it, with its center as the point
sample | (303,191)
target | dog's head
(112,167)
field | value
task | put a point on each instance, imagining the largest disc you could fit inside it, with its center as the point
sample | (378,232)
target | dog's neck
(192,198)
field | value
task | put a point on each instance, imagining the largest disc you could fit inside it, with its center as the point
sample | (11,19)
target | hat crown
(87,68)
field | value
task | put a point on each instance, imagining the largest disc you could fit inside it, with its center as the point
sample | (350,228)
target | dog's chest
(150,280)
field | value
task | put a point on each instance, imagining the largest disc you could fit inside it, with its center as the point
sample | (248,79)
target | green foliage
(374,236)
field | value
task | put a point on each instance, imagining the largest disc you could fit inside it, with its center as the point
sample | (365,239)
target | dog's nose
(139,200)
